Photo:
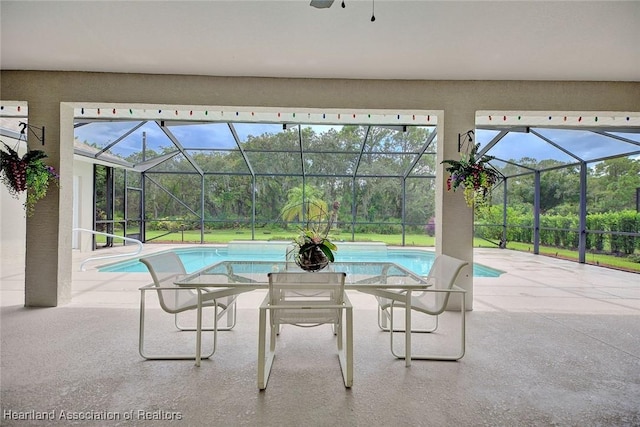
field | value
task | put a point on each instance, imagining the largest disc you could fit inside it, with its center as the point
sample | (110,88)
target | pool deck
(530,283)
(550,342)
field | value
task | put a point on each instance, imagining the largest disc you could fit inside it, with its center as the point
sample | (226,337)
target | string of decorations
(13,110)
(332,117)
(253,116)
(563,119)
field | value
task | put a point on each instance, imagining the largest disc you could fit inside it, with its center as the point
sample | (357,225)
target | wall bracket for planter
(26,127)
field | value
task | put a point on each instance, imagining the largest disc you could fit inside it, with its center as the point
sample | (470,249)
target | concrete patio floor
(549,342)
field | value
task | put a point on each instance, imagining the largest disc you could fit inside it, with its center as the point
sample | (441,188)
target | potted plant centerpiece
(312,250)
(27,173)
(474,174)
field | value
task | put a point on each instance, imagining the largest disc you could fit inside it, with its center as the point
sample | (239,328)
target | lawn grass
(612,261)
(225,236)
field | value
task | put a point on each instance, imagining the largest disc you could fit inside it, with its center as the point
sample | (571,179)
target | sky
(516,145)
(215,135)
(585,145)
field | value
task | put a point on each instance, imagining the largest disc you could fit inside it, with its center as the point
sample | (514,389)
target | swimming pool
(194,258)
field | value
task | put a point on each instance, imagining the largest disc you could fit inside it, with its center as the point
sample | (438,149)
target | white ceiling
(477,40)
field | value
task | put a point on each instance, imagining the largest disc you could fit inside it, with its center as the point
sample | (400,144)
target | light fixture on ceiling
(325,4)
(322,4)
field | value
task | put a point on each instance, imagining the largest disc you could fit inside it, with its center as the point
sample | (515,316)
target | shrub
(430,228)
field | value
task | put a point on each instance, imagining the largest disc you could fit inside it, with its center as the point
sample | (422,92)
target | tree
(557,186)
(613,184)
(304,203)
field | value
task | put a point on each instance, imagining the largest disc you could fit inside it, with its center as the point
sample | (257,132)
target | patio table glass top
(253,275)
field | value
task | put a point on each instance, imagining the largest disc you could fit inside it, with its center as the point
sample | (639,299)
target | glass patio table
(245,276)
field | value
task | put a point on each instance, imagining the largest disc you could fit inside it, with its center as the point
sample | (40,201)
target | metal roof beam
(564,150)
(126,134)
(614,156)
(515,164)
(173,196)
(148,164)
(364,142)
(619,138)
(302,168)
(493,142)
(179,146)
(234,133)
(426,145)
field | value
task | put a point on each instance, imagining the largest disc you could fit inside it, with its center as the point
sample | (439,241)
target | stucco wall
(83,206)
(49,236)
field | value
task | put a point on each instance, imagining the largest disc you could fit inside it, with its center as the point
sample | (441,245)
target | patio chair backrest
(442,276)
(307,299)
(165,269)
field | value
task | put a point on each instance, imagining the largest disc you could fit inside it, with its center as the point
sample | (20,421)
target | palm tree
(304,203)
(312,249)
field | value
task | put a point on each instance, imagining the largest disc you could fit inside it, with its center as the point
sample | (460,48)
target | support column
(582,226)
(48,240)
(505,191)
(536,212)
(454,219)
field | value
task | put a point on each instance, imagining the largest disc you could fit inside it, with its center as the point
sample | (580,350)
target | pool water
(193,259)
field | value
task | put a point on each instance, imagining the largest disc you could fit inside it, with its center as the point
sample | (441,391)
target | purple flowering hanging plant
(474,174)
(27,173)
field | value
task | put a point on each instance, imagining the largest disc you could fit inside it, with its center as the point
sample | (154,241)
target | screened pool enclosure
(159,177)
(181,180)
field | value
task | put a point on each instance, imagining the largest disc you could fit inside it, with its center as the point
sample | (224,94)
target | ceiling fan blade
(321,4)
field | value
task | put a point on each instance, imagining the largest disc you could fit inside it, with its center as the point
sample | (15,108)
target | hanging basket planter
(27,173)
(474,175)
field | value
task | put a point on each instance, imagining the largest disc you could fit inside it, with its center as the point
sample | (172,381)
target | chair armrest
(153,287)
(454,289)
(387,293)
(225,292)
(346,301)
(457,288)
(265,303)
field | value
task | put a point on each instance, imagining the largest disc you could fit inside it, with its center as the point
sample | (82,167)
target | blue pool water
(415,260)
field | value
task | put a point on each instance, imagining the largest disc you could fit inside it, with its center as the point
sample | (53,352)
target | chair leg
(345,355)
(461,350)
(383,316)
(265,358)
(141,340)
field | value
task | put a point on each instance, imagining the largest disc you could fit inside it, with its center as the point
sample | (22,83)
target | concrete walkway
(549,342)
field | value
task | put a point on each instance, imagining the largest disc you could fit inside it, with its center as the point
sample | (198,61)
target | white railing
(126,239)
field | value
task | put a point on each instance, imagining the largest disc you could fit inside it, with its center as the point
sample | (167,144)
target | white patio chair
(431,302)
(165,269)
(306,300)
